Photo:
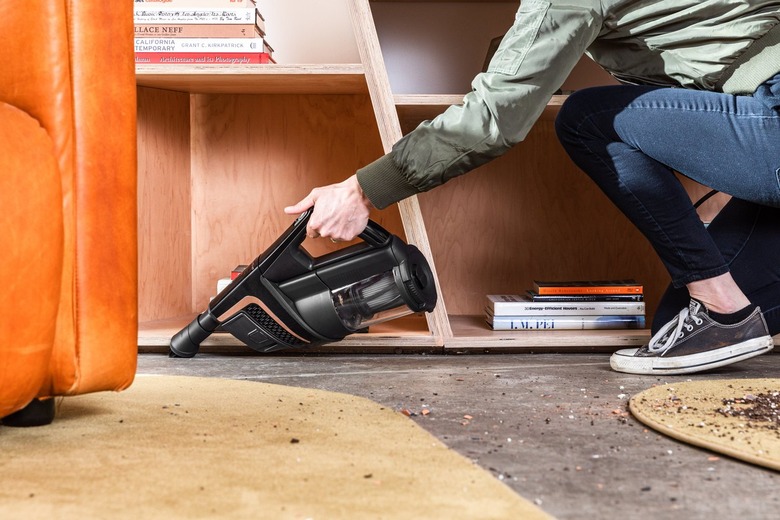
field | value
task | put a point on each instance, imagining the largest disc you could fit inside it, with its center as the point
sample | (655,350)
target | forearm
(489,122)
(532,62)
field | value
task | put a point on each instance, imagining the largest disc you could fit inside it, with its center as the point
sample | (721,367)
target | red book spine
(203,58)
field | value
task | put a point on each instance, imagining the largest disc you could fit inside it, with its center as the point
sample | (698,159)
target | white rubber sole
(625,361)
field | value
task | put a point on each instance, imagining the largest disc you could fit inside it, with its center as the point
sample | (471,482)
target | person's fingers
(301,206)
(339,211)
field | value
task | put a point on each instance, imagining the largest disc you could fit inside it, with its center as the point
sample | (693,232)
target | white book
(199,45)
(222,283)
(147,15)
(516,305)
(564,322)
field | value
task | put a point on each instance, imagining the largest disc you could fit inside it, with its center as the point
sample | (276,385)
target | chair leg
(39,412)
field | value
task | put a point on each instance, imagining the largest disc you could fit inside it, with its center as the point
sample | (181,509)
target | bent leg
(748,236)
(631,139)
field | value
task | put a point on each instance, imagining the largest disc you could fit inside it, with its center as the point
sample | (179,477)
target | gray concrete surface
(553,427)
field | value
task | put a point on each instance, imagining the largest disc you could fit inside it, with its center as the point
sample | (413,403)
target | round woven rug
(184,447)
(739,418)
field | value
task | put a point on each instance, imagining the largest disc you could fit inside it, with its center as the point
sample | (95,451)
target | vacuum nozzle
(186,342)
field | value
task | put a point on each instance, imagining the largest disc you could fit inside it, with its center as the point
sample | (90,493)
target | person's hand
(340,210)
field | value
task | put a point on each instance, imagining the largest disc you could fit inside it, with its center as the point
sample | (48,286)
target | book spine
(565,322)
(237,270)
(607,289)
(222,283)
(195,3)
(564,309)
(587,297)
(199,45)
(198,31)
(239,15)
(201,58)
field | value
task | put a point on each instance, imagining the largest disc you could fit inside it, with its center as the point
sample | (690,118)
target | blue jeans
(631,139)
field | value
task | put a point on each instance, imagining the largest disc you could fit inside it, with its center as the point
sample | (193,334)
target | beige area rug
(182,447)
(739,418)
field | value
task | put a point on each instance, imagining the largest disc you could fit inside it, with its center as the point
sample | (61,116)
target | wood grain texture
(164,235)
(407,332)
(254,154)
(531,214)
(255,79)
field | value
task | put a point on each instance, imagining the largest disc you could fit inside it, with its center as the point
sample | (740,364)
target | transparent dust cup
(406,289)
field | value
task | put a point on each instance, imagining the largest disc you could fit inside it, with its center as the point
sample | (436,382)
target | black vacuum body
(288,299)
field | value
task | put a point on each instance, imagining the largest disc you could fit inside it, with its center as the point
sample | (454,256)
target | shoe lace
(666,337)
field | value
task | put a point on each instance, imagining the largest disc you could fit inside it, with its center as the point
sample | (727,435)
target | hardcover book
(564,322)
(629,286)
(585,297)
(203,58)
(157,15)
(235,30)
(200,45)
(515,305)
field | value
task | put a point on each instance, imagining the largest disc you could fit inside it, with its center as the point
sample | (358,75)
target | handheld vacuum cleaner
(287,299)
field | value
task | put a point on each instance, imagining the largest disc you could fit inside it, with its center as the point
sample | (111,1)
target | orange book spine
(620,289)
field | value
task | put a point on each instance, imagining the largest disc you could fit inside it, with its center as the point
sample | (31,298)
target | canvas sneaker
(693,342)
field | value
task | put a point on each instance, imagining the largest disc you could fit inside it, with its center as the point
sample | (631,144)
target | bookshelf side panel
(164,237)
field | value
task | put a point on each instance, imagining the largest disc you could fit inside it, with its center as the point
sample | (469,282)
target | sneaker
(693,342)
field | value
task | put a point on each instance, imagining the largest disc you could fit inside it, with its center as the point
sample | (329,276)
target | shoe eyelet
(689,327)
(698,321)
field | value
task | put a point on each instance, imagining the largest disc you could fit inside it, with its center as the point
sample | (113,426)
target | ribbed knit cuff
(384,183)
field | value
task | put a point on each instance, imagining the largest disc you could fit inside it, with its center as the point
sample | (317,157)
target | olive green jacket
(722,45)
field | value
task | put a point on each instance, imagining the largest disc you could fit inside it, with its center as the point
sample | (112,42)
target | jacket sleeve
(534,58)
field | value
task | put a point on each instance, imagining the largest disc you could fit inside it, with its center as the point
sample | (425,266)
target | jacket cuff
(384,183)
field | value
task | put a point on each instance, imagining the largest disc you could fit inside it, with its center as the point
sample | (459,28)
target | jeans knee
(570,123)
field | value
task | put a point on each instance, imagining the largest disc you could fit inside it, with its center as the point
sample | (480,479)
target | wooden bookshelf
(223,149)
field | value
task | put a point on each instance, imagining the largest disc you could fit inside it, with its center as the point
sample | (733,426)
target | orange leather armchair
(68,265)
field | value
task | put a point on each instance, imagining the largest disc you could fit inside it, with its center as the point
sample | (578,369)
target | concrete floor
(553,427)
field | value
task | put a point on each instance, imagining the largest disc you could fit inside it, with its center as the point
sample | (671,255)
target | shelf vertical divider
(390,132)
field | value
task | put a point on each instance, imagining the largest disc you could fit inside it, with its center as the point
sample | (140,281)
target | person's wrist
(359,192)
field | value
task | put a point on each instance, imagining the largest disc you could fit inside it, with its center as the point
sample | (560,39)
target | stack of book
(222,283)
(600,304)
(200,32)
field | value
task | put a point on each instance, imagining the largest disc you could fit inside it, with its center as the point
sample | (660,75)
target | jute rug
(182,447)
(739,418)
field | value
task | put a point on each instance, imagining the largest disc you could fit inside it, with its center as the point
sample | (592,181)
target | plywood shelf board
(471,331)
(450,99)
(407,332)
(255,79)
(415,108)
